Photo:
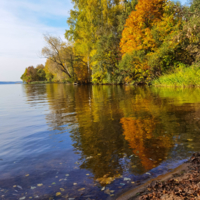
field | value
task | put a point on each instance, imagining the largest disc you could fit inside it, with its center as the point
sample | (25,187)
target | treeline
(38,73)
(124,41)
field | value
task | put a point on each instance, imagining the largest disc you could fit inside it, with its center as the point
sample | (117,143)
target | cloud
(22,25)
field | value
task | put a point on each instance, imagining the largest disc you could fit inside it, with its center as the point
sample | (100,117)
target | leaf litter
(181,186)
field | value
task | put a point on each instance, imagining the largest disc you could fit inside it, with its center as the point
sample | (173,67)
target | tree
(58,52)
(95,29)
(137,32)
(167,51)
(150,36)
(34,74)
(41,72)
(53,73)
(49,75)
(29,75)
(189,36)
(24,76)
(195,6)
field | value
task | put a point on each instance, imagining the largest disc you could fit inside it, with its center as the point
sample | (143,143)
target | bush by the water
(182,76)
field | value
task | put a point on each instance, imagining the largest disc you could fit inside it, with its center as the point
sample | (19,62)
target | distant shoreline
(10,82)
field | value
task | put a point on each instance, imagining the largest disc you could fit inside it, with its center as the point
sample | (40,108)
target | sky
(23,24)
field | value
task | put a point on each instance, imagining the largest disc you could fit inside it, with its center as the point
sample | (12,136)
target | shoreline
(170,185)
(123,84)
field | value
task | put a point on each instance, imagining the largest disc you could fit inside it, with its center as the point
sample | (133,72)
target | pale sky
(22,25)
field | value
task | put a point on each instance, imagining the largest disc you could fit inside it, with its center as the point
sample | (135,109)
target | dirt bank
(182,183)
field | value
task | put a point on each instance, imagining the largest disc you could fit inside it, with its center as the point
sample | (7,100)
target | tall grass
(182,76)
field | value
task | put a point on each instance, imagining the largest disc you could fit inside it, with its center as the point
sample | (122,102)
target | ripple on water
(63,142)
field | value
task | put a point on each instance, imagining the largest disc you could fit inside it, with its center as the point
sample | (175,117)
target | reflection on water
(89,142)
(150,149)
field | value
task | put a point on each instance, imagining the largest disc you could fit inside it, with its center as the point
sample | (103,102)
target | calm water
(91,142)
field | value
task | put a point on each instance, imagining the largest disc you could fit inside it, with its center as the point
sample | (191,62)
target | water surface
(62,141)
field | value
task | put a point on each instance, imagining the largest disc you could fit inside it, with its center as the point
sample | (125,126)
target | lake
(61,141)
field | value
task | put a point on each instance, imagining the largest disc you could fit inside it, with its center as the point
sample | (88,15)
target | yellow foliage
(137,32)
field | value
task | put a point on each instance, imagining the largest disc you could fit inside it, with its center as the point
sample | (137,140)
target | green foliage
(29,75)
(41,73)
(186,52)
(182,76)
(49,76)
(129,70)
(106,57)
(95,29)
(126,67)
(34,74)
(174,38)
(98,77)
(122,41)
(190,37)
(168,49)
(195,6)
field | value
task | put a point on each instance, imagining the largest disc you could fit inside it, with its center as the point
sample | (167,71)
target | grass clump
(181,77)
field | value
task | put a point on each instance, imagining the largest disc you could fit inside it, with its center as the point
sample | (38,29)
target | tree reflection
(61,101)
(34,93)
(116,129)
(151,149)
(99,139)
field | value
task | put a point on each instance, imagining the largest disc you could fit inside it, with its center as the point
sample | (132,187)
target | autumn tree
(137,32)
(95,29)
(137,40)
(82,30)
(34,74)
(53,73)
(149,40)
(167,51)
(49,71)
(64,62)
(41,72)
(189,36)
(59,53)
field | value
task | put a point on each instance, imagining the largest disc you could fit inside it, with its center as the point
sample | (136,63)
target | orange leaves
(135,132)
(140,134)
(137,32)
